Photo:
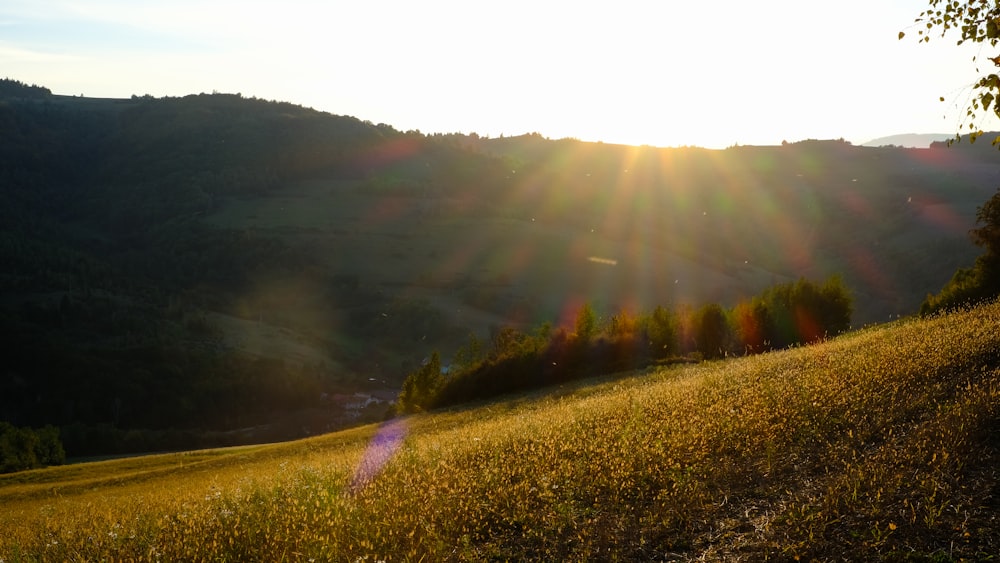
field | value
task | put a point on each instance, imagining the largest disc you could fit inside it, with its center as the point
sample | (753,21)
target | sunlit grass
(881,443)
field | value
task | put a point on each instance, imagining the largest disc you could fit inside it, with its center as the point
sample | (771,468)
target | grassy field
(882,444)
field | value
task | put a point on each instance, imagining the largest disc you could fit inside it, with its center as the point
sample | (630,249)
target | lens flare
(382,447)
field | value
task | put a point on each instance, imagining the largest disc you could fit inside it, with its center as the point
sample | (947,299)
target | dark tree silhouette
(981,282)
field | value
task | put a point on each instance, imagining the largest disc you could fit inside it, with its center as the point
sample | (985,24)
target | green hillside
(877,445)
(217,269)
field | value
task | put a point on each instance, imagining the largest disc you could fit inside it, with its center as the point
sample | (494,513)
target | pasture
(880,444)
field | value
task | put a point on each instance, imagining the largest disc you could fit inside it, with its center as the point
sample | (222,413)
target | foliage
(987,235)
(981,282)
(753,325)
(785,315)
(471,353)
(880,445)
(976,21)
(124,222)
(802,312)
(14,88)
(420,387)
(586,323)
(711,331)
(507,341)
(25,448)
(176,376)
(661,332)
(967,286)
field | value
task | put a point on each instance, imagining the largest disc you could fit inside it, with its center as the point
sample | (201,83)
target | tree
(804,312)
(982,281)
(24,448)
(586,323)
(470,354)
(661,332)
(711,331)
(506,341)
(49,448)
(753,325)
(421,387)
(17,448)
(976,21)
(621,325)
(988,235)
(835,306)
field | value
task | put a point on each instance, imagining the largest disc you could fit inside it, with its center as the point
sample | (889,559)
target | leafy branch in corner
(977,21)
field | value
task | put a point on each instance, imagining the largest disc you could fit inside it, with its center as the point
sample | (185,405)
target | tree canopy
(981,282)
(987,235)
(976,21)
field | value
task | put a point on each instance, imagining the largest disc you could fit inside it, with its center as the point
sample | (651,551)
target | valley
(275,253)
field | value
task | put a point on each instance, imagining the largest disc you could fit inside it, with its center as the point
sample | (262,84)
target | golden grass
(878,444)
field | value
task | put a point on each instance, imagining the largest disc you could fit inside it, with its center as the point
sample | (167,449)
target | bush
(24,448)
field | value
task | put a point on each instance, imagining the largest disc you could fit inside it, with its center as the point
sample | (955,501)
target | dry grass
(878,445)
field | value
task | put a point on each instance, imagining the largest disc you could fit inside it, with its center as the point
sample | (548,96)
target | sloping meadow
(881,444)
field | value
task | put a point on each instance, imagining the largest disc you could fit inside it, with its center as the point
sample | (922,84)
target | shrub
(24,448)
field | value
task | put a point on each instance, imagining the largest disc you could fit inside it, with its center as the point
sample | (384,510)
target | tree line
(790,314)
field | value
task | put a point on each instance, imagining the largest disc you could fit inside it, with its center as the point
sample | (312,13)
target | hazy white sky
(662,73)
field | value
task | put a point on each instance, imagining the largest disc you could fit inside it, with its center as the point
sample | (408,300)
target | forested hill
(211,261)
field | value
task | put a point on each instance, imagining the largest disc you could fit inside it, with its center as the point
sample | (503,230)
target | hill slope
(213,262)
(881,444)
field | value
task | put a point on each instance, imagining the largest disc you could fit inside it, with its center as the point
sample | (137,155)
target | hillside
(213,263)
(878,445)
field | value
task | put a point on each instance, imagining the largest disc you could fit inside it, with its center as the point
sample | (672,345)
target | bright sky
(663,73)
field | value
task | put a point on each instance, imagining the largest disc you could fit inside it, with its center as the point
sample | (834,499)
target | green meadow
(881,444)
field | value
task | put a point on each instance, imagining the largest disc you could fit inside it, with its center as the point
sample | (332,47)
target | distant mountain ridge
(909,140)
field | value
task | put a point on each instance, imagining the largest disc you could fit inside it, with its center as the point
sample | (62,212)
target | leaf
(901,35)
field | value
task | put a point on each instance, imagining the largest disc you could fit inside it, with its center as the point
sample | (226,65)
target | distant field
(881,444)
